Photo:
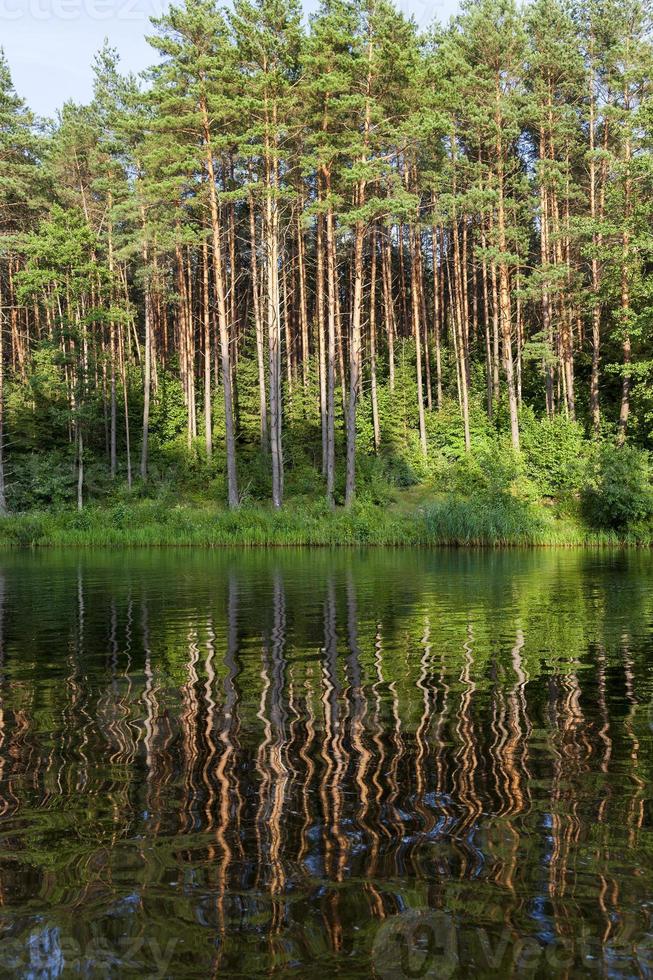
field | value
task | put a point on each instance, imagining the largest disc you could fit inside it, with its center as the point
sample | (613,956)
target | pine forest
(338,259)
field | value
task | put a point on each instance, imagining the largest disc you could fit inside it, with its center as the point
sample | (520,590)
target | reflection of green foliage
(122,673)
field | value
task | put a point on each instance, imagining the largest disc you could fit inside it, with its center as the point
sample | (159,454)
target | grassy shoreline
(415,518)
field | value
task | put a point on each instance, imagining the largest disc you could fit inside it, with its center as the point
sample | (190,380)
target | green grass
(416,517)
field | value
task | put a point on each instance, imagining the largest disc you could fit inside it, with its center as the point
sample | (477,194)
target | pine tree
(192,89)
(21,199)
(557,84)
(327,62)
(268,38)
(491,41)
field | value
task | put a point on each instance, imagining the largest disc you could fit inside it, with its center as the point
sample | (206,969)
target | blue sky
(50,43)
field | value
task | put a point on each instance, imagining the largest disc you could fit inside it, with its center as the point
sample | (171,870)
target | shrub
(555,453)
(41,479)
(25,531)
(491,468)
(618,493)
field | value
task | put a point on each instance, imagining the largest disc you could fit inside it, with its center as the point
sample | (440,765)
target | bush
(555,453)
(43,479)
(490,469)
(618,494)
(25,531)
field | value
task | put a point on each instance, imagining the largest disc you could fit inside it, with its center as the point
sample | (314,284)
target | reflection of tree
(271,748)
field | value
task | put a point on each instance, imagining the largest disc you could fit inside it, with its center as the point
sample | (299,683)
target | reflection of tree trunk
(335,843)
(467,758)
(330,693)
(308,792)
(230,801)
(4,803)
(189,719)
(151,708)
(421,741)
(278,719)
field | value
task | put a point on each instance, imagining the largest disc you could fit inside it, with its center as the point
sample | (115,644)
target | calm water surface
(388,764)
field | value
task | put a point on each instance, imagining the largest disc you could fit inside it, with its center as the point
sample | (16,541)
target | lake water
(315,763)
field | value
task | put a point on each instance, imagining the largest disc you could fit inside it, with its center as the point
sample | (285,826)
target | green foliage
(24,531)
(508,153)
(168,413)
(42,479)
(484,520)
(376,519)
(492,469)
(555,453)
(619,493)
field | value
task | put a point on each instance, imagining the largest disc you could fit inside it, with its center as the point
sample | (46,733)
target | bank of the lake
(413,518)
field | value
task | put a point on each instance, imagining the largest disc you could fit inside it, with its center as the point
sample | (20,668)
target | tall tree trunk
(320,335)
(303,306)
(274,339)
(415,307)
(223,323)
(486,326)
(373,381)
(331,346)
(147,382)
(206,310)
(113,458)
(504,279)
(258,325)
(437,313)
(271,226)
(547,326)
(624,410)
(597,240)
(388,305)
(3,497)
(80,468)
(355,355)
(125,395)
